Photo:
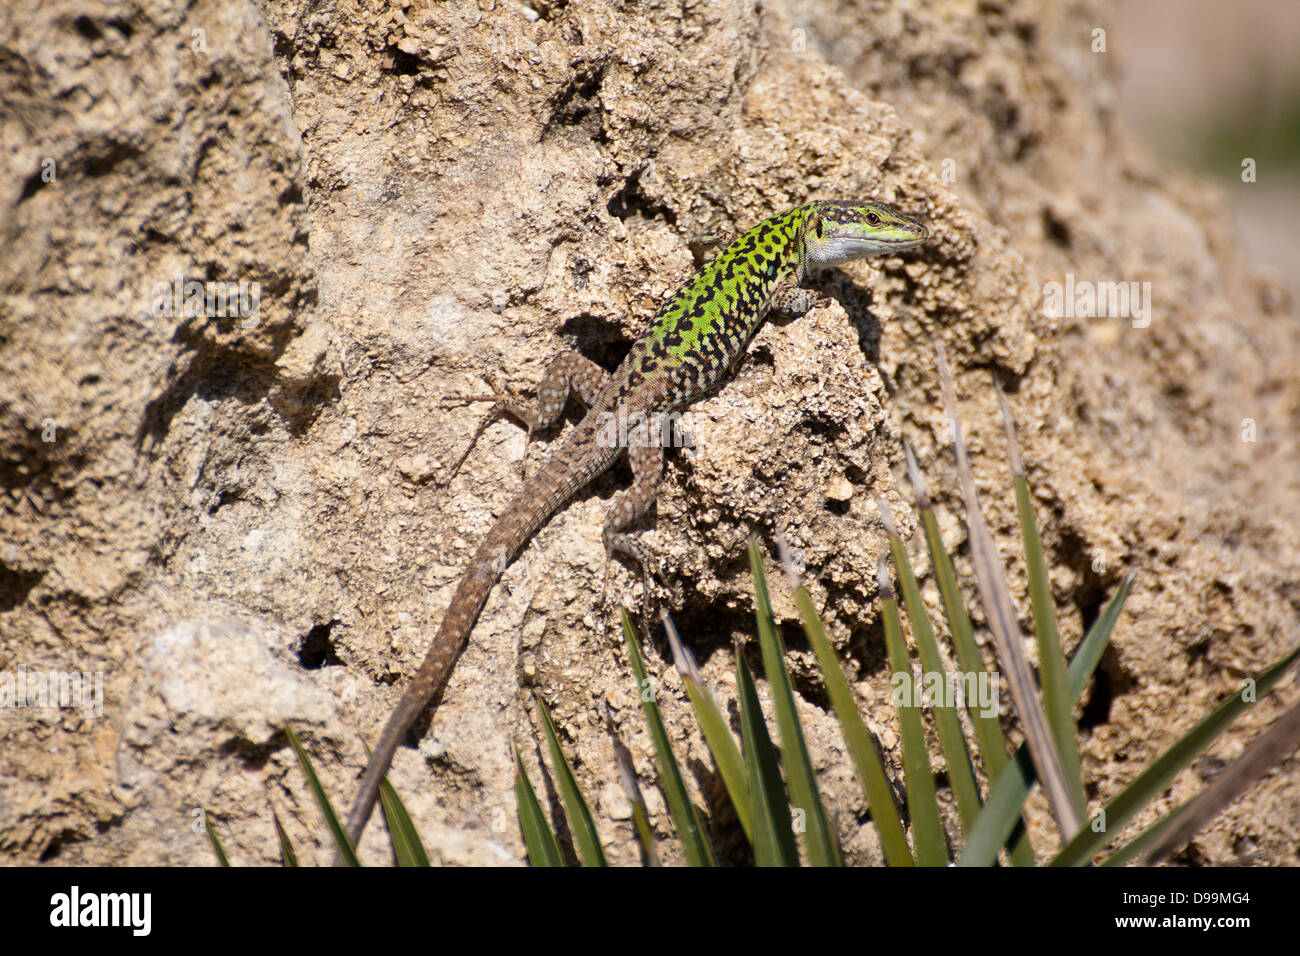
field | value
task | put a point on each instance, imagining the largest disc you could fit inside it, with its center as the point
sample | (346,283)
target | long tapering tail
(483,573)
(578,461)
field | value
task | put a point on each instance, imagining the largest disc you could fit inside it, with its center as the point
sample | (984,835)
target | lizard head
(839,232)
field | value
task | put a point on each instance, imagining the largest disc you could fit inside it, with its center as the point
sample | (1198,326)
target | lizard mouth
(841,249)
(909,242)
(917,233)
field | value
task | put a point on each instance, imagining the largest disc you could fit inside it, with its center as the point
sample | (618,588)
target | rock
(221,673)
(486,189)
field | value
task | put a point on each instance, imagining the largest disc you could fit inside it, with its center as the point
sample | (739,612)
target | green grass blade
(1282,737)
(1088,654)
(1057,701)
(821,846)
(341,841)
(862,747)
(1141,843)
(408,849)
(774,843)
(1155,778)
(1011,789)
(1004,625)
(717,733)
(922,799)
(581,822)
(1234,776)
(213,839)
(632,790)
(641,820)
(951,737)
(539,838)
(689,830)
(287,855)
(988,730)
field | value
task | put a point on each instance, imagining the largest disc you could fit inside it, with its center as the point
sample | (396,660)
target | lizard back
(699,333)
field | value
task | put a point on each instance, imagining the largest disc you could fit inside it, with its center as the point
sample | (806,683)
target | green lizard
(696,339)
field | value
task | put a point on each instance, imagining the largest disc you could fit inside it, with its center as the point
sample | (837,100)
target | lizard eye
(872,218)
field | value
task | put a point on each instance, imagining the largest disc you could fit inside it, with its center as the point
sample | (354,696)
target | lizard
(696,340)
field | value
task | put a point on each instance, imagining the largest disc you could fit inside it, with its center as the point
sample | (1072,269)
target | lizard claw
(647,595)
(650,567)
(499,394)
(505,401)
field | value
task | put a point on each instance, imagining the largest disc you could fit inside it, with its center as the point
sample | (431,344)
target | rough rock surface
(241,521)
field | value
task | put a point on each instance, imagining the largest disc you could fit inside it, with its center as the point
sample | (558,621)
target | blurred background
(1208,83)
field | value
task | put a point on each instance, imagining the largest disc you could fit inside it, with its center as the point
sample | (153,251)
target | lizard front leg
(790,299)
(569,373)
(704,242)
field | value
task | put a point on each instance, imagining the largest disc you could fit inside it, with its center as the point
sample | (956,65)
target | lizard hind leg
(569,372)
(646,456)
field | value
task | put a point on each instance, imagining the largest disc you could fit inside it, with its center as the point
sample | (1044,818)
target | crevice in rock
(121,26)
(819,426)
(253,755)
(630,201)
(404,64)
(1096,709)
(1094,589)
(596,338)
(107,157)
(87,28)
(1056,229)
(837,508)
(707,629)
(577,107)
(806,682)
(34,183)
(15,585)
(65,837)
(317,649)
(867,647)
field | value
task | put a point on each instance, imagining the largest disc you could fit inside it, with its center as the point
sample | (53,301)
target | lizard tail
(452,635)
(542,495)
